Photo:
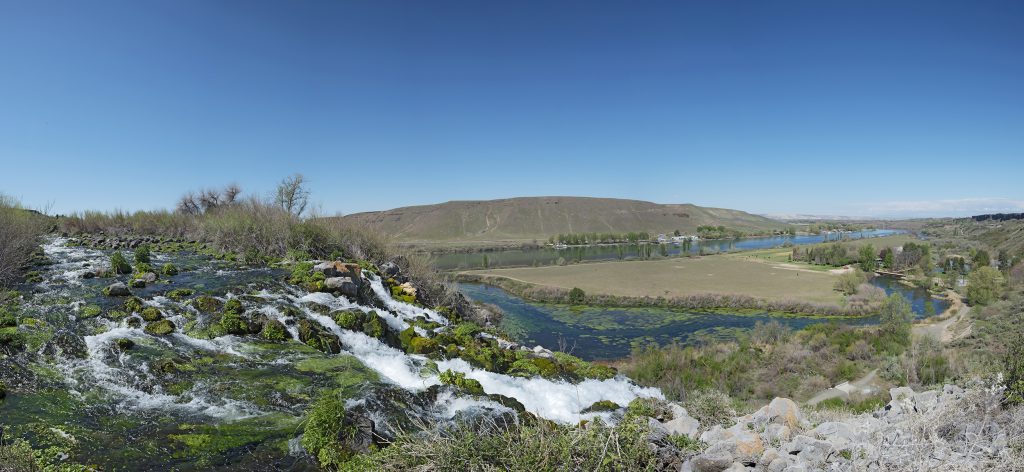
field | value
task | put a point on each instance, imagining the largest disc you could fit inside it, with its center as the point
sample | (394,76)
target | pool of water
(611,333)
(551,256)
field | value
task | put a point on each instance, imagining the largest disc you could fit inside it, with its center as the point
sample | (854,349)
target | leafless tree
(197,203)
(292,195)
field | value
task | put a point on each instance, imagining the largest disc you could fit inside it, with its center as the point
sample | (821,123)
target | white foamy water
(553,400)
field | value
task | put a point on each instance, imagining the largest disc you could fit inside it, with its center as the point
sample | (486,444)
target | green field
(685,276)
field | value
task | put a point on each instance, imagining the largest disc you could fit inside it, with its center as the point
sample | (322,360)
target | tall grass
(120,223)
(21,231)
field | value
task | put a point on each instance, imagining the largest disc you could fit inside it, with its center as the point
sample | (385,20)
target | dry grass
(683,277)
(20,234)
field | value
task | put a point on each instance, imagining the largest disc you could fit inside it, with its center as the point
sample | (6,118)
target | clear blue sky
(861,107)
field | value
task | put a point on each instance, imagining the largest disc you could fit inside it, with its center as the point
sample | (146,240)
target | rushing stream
(131,400)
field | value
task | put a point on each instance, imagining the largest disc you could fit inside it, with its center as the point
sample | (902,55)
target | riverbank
(707,283)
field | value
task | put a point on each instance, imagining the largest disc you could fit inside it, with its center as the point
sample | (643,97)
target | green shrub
(577,296)
(142,255)
(169,269)
(118,264)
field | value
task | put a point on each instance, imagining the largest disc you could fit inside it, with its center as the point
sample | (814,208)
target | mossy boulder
(142,254)
(160,328)
(179,294)
(316,336)
(89,311)
(133,305)
(124,344)
(460,381)
(603,405)
(421,345)
(350,320)
(374,326)
(151,313)
(207,304)
(11,341)
(274,330)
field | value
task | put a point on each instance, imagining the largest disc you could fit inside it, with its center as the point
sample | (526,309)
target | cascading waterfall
(114,371)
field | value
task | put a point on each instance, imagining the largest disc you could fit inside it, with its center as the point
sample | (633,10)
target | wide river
(551,256)
(611,333)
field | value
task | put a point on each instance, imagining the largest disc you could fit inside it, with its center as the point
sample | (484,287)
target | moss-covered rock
(90,311)
(133,305)
(151,313)
(374,326)
(350,320)
(160,328)
(459,380)
(125,344)
(274,330)
(603,405)
(315,336)
(206,304)
(180,293)
(142,254)
(324,430)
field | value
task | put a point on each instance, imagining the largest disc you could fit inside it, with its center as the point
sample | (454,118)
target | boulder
(710,461)
(926,401)
(781,411)
(137,283)
(740,443)
(681,424)
(656,432)
(390,269)
(148,277)
(839,434)
(811,452)
(66,344)
(901,393)
(777,433)
(342,285)
(339,269)
(117,289)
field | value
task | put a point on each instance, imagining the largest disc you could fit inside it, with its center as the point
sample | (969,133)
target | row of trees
(291,195)
(582,239)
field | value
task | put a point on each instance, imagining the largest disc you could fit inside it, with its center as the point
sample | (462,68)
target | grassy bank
(705,301)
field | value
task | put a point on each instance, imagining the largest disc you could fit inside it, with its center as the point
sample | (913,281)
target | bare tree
(197,203)
(189,205)
(292,195)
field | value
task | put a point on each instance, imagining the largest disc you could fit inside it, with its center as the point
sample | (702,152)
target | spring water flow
(133,382)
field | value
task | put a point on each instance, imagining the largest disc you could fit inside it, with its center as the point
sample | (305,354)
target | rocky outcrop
(948,429)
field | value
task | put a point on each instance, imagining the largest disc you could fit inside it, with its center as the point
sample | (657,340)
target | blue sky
(850,108)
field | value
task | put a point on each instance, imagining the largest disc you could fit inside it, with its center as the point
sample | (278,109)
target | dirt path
(951,324)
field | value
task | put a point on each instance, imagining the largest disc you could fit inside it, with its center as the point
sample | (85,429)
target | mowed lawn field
(685,276)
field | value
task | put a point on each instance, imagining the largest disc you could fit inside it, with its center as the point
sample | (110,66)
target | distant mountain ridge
(538,218)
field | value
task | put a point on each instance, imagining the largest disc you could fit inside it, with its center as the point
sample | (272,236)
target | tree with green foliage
(980,259)
(577,296)
(896,314)
(850,281)
(984,285)
(888,259)
(867,257)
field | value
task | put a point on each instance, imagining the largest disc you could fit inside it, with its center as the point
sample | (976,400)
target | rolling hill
(537,218)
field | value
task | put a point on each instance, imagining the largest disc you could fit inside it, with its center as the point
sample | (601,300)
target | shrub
(984,285)
(169,269)
(848,282)
(710,407)
(142,255)
(118,264)
(20,234)
(577,296)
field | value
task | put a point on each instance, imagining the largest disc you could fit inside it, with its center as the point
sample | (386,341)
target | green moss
(350,320)
(603,405)
(118,264)
(11,340)
(304,276)
(160,328)
(458,379)
(234,306)
(180,293)
(90,311)
(420,345)
(232,323)
(207,304)
(274,330)
(169,269)
(125,344)
(151,313)
(133,304)
(325,424)
(374,326)
(7,318)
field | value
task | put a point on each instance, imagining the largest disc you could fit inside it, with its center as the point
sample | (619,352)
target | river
(594,333)
(550,256)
